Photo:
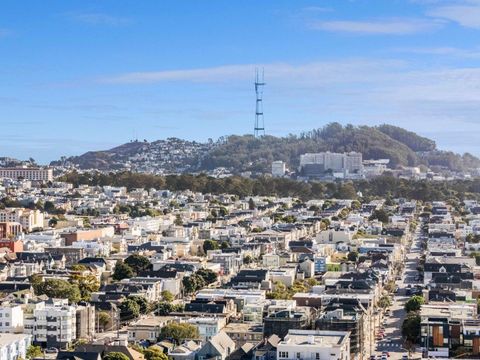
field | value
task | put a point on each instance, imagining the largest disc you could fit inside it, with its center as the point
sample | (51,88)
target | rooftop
(315,338)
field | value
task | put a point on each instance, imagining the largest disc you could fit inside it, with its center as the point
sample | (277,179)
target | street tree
(414,303)
(411,327)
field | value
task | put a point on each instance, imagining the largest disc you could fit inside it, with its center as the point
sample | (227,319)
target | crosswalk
(394,345)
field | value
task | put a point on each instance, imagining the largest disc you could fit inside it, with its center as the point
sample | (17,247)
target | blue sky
(88,75)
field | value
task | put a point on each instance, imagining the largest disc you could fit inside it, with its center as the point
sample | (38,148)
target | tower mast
(259,128)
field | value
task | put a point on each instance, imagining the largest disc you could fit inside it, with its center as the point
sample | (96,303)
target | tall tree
(179,332)
(411,327)
(414,303)
(122,271)
(87,284)
(129,309)
(58,288)
(138,263)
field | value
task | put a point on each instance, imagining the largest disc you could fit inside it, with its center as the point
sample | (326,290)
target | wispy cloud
(316,9)
(305,74)
(378,27)
(465,13)
(95,18)
(441,51)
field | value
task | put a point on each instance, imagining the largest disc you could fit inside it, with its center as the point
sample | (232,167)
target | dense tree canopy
(178,332)
(129,309)
(411,327)
(414,303)
(138,263)
(58,288)
(122,271)
(379,187)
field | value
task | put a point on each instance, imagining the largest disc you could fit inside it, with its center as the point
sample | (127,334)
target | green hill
(402,147)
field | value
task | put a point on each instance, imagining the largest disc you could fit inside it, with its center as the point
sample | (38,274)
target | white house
(11,319)
(14,346)
(314,345)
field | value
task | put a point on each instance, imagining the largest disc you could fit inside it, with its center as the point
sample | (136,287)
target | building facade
(53,324)
(314,345)
(33,174)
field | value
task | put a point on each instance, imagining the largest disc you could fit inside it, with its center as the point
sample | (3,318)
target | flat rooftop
(315,338)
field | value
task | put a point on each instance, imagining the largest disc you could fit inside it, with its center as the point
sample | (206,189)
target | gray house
(218,347)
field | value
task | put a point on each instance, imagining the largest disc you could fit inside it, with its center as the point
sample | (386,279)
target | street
(393,341)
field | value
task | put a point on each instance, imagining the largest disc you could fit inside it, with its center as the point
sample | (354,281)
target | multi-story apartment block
(33,174)
(27,218)
(314,345)
(14,346)
(11,318)
(52,324)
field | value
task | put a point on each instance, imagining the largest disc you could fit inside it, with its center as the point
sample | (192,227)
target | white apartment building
(29,219)
(278,169)
(314,345)
(14,346)
(317,163)
(53,323)
(11,319)
(33,174)
(208,327)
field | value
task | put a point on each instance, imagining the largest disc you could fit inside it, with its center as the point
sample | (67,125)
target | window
(317,356)
(299,356)
(283,354)
(7,315)
(7,324)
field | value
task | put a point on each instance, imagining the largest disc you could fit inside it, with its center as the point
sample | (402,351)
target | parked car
(51,350)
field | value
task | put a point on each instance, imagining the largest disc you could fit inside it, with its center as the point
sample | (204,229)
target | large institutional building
(318,164)
(33,174)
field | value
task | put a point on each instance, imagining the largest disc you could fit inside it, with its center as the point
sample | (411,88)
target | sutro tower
(259,128)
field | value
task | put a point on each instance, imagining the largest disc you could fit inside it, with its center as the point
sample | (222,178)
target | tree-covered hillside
(402,147)
(247,153)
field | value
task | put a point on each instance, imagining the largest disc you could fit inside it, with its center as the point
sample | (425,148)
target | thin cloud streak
(378,27)
(465,13)
(100,19)
(312,73)
(443,51)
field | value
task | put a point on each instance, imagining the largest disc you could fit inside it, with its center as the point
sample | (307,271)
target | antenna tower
(259,128)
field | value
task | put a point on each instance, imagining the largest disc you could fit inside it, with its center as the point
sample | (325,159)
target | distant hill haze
(247,153)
